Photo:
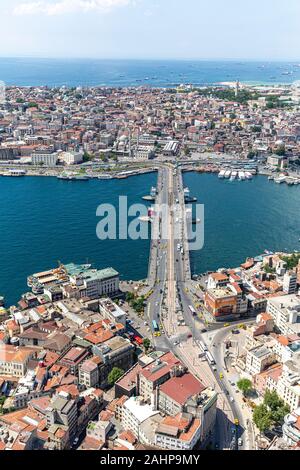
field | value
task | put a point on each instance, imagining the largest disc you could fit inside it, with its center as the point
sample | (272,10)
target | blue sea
(44,220)
(157,73)
(243,219)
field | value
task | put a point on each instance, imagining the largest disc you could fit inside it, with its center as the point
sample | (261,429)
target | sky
(151,29)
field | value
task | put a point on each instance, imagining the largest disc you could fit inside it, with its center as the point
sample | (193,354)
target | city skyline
(147,30)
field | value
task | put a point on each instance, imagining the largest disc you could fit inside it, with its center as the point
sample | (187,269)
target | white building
(291,428)
(286,313)
(112,311)
(258,359)
(46,159)
(288,387)
(96,283)
(290,283)
(135,412)
(71,158)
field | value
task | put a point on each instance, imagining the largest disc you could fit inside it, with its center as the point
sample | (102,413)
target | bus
(203,346)
(155,326)
(192,310)
(210,359)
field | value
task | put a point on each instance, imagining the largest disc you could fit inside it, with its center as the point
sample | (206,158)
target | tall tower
(237,88)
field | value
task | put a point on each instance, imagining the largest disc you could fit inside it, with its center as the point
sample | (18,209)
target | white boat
(14,173)
(242,176)
(280,180)
(105,177)
(233,175)
(248,175)
(227,174)
(153,192)
(221,174)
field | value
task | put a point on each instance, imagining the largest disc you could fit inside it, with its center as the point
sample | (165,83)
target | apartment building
(112,311)
(89,372)
(178,433)
(290,282)
(116,352)
(288,387)
(258,359)
(73,358)
(285,311)
(221,303)
(156,373)
(62,411)
(14,361)
(291,428)
(134,412)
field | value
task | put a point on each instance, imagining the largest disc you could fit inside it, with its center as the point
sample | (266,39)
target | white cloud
(59,7)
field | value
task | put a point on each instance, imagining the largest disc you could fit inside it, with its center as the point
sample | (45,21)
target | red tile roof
(180,389)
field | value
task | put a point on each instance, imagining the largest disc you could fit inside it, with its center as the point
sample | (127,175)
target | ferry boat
(37,289)
(233,175)
(280,180)
(153,192)
(248,175)
(14,173)
(221,174)
(81,178)
(63,176)
(227,174)
(242,176)
(187,192)
(105,177)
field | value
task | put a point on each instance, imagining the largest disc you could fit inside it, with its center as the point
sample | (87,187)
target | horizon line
(149,59)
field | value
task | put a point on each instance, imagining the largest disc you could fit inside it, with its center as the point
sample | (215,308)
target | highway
(170,278)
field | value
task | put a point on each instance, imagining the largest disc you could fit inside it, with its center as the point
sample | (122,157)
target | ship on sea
(73,177)
(16,173)
(152,196)
(187,196)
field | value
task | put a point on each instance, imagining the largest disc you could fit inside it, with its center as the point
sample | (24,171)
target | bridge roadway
(171,299)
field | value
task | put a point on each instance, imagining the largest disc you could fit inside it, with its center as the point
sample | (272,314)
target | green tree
(147,344)
(115,375)
(245,385)
(129,296)
(262,418)
(138,304)
(86,157)
(276,406)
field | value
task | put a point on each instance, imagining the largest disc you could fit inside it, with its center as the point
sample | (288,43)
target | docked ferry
(222,174)
(227,174)
(234,175)
(242,176)
(15,173)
